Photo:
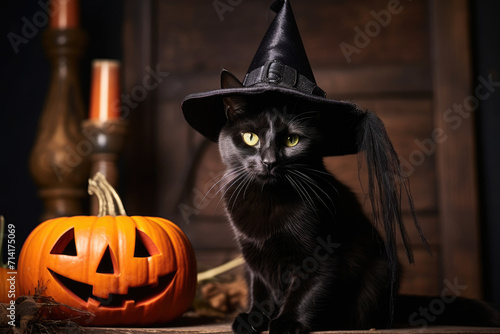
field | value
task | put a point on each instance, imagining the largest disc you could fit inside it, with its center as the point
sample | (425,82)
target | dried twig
(32,315)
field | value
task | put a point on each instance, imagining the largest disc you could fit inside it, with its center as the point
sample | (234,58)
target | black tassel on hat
(385,185)
(280,66)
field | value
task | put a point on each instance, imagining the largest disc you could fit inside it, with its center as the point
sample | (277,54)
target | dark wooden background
(392,75)
(410,73)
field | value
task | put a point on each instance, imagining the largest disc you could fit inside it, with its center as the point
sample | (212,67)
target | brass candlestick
(58,161)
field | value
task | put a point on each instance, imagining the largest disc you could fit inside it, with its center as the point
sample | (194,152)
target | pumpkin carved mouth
(137,294)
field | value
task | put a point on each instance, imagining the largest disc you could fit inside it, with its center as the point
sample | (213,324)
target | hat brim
(204,111)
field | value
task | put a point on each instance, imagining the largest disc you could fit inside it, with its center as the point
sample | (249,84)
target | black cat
(315,262)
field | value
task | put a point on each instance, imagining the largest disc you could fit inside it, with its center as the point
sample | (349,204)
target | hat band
(275,73)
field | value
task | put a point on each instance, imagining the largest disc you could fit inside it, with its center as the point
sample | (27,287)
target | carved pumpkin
(4,286)
(125,270)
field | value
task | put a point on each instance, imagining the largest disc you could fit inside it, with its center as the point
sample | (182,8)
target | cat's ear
(233,104)
(228,80)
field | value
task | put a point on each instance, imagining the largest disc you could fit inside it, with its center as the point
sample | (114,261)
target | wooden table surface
(226,329)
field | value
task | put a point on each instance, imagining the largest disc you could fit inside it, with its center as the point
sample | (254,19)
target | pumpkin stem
(110,203)
(2,226)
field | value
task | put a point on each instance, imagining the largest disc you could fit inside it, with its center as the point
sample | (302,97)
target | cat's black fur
(315,261)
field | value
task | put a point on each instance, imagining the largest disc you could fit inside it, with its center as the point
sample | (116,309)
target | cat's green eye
(250,138)
(292,140)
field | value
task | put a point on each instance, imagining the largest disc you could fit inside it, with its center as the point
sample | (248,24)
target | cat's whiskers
(311,184)
(226,174)
(311,181)
(320,173)
(251,179)
(231,178)
(301,191)
(243,184)
(307,167)
(238,180)
(226,189)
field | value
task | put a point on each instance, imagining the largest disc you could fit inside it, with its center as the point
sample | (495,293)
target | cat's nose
(269,163)
(268,158)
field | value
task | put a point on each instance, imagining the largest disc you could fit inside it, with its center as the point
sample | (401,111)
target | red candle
(105,90)
(64,14)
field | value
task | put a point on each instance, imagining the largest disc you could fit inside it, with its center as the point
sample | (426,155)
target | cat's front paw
(286,326)
(250,323)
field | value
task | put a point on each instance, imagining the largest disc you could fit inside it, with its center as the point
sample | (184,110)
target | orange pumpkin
(4,286)
(125,270)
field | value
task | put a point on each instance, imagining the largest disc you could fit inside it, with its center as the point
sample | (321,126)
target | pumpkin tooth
(94,302)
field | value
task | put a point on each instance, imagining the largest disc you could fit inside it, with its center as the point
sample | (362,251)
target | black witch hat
(281,67)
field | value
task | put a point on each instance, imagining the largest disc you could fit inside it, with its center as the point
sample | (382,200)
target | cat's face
(267,142)
(268,137)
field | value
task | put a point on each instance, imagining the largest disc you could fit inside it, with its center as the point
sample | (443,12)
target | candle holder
(58,162)
(107,139)
(104,128)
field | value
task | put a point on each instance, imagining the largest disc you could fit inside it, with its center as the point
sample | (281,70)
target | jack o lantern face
(144,248)
(117,262)
(124,270)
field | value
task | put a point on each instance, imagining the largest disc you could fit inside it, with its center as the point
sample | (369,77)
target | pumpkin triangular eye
(144,246)
(66,244)
(106,265)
